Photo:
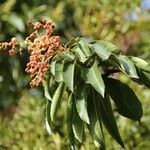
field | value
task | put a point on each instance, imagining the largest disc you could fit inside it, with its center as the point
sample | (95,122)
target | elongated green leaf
(127,102)
(52,67)
(77,125)
(141,64)
(103,49)
(107,117)
(128,66)
(68,75)
(68,56)
(90,61)
(114,61)
(16,21)
(46,88)
(59,71)
(83,45)
(79,54)
(72,43)
(93,76)
(48,119)
(69,122)
(81,94)
(95,126)
(56,100)
(143,78)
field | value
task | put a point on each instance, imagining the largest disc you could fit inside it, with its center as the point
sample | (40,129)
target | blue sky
(145,4)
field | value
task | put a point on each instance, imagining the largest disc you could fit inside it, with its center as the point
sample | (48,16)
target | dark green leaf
(107,117)
(104,49)
(81,94)
(126,101)
(56,100)
(52,85)
(143,78)
(93,76)
(68,75)
(69,118)
(95,126)
(89,62)
(77,125)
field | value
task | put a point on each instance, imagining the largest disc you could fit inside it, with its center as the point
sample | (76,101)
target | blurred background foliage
(124,23)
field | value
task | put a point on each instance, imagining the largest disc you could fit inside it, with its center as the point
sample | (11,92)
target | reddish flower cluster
(41,47)
(11,46)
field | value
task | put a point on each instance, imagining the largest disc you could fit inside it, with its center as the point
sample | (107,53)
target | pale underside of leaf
(141,64)
(128,66)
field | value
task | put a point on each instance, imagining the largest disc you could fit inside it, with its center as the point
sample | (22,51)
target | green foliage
(125,99)
(100,20)
(107,116)
(88,89)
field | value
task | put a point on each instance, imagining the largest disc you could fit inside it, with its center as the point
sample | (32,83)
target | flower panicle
(41,48)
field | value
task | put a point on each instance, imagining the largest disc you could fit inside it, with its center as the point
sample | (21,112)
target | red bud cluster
(11,46)
(41,47)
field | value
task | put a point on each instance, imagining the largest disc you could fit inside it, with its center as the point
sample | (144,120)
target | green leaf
(72,43)
(127,103)
(68,75)
(104,49)
(107,117)
(68,56)
(141,64)
(77,125)
(93,76)
(56,100)
(114,61)
(95,126)
(48,119)
(90,61)
(143,78)
(59,71)
(52,85)
(52,67)
(128,66)
(16,21)
(69,118)
(81,94)
(46,88)
(83,45)
(81,57)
